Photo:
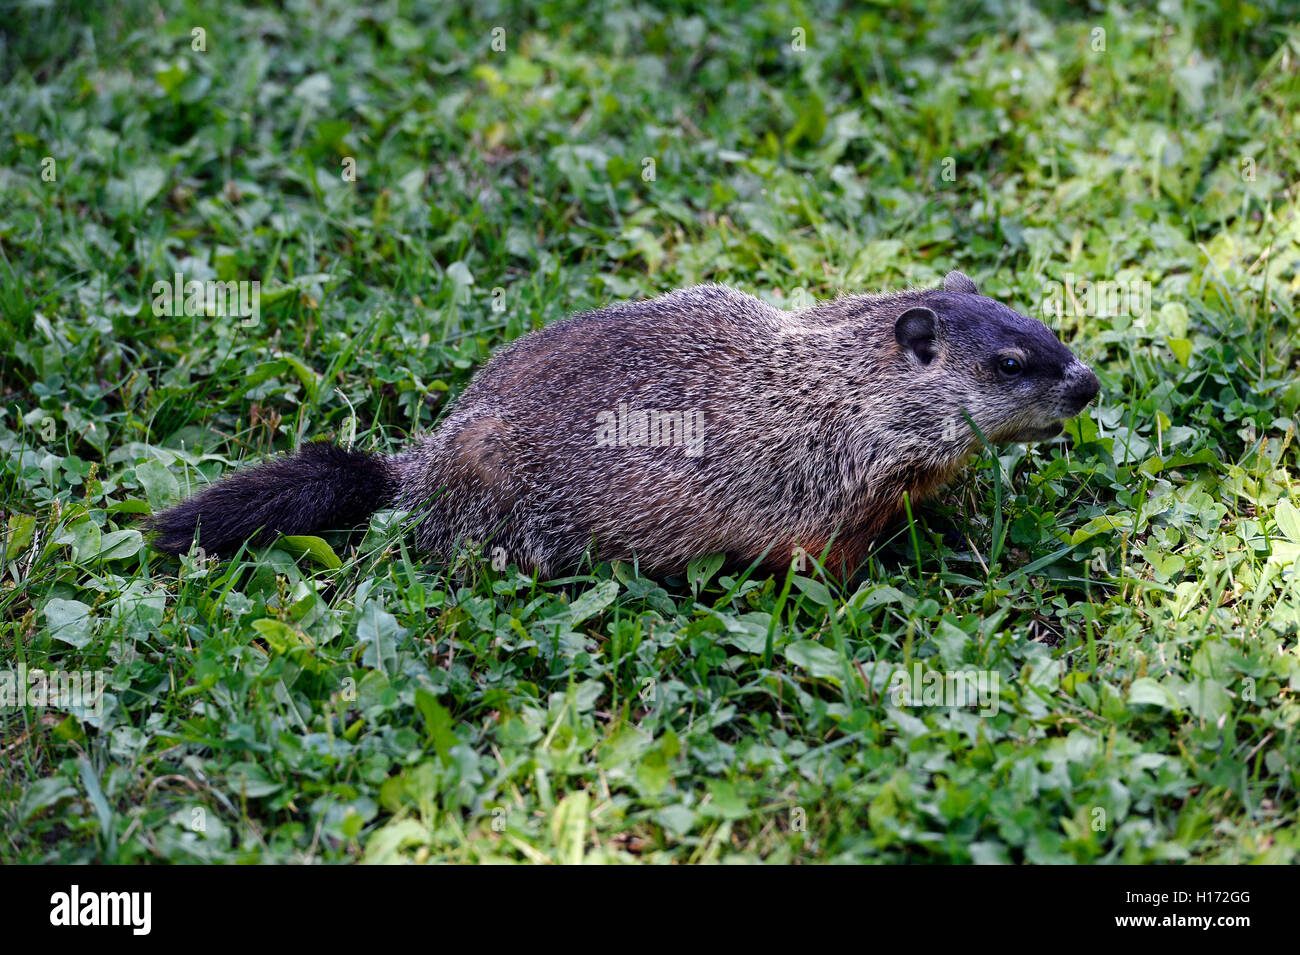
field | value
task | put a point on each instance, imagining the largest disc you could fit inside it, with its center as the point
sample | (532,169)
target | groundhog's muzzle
(1081,386)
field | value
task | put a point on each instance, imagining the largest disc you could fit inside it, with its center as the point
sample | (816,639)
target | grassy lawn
(415,185)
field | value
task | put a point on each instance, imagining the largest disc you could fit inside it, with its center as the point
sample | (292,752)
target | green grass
(1134,590)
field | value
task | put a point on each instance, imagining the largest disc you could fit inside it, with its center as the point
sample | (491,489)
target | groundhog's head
(1006,370)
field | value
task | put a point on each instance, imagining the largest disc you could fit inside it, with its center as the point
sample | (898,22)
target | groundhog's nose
(1081,387)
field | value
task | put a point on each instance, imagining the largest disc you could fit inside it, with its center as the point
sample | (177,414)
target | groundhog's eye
(1010,367)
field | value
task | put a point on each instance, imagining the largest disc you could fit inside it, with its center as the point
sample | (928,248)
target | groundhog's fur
(764,432)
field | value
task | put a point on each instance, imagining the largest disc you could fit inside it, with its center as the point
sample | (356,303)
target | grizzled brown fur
(703,421)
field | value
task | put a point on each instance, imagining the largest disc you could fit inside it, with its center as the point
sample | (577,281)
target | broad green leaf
(69,621)
(814,590)
(726,802)
(278,634)
(1206,699)
(251,780)
(701,570)
(22,527)
(625,746)
(42,794)
(136,189)
(160,486)
(1182,349)
(84,535)
(816,658)
(593,601)
(678,820)
(1288,520)
(313,547)
(118,545)
(377,631)
(1145,690)
(1173,319)
(1102,524)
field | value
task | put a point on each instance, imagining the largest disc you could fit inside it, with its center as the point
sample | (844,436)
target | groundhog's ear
(956,281)
(915,332)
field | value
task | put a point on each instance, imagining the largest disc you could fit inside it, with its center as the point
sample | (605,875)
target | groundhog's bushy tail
(322,486)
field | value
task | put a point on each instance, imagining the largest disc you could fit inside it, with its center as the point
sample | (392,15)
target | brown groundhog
(704,421)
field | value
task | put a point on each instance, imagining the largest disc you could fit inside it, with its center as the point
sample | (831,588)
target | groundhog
(704,421)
